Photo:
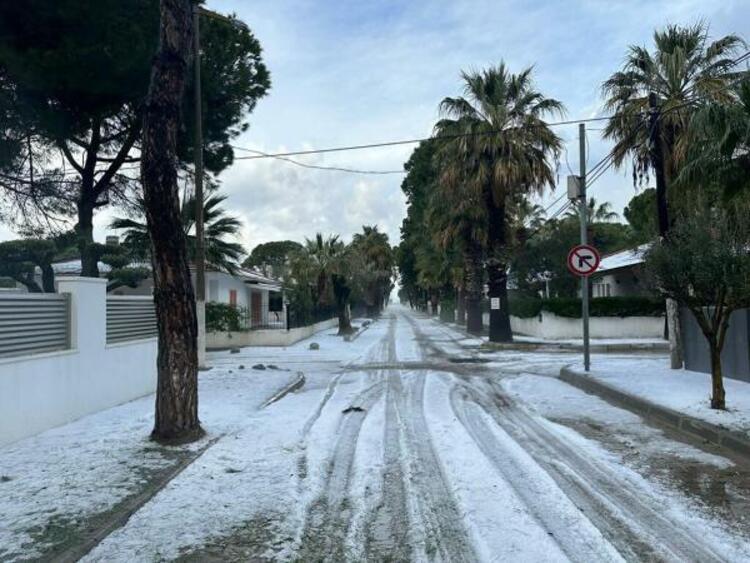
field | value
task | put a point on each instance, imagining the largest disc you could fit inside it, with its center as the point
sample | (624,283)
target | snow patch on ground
(77,471)
(251,477)
(500,523)
(64,474)
(555,399)
(684,391)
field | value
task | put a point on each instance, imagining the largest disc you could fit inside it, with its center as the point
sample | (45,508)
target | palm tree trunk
(345,323)
(447,306)
(461,306)
(474,279)
(176,417)
(497,274)
(342,293)
(663,144)
(500,330)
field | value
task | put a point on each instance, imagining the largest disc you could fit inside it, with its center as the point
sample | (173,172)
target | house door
(233,297)
(256,308)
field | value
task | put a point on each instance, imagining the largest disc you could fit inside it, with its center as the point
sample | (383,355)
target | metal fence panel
(32,323)
(735,357)
(130,318)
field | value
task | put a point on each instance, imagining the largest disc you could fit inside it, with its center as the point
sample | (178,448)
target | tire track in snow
(441,521)
(302,445)
(540,501)
(387,537)
(619,508)
(328,517)
(388,525)
(417,517)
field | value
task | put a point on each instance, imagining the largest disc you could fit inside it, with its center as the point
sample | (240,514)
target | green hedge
(525,307)
(599,307)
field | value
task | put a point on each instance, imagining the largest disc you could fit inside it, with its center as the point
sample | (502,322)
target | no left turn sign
(583,260)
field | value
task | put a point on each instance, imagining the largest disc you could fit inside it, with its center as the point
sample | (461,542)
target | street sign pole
(583,209)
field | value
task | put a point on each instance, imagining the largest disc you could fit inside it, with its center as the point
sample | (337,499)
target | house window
(275,302)
(601,289)
(233,297)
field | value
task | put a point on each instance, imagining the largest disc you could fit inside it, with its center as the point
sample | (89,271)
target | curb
(291,388)
(650,347)
(737,442)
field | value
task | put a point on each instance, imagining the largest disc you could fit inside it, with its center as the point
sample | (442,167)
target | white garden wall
(42,391)
(549,326)
(273,337)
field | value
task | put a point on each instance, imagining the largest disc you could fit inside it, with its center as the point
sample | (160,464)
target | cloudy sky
(363,71)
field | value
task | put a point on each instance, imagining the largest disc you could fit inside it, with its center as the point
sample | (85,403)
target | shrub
(570,307)
(222,317)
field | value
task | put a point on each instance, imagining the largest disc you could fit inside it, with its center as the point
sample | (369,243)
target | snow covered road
(413,444)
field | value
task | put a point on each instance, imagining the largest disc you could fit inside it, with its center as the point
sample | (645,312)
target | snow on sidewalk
(684,391)
(54,485)
(248,486)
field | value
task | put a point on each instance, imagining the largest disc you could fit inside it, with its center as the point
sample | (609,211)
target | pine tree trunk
(48,278)
(85,236)
(177,361)
(474,283)
(717,380)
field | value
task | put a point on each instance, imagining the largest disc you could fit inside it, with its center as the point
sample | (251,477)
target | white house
(620,274)
(259,295)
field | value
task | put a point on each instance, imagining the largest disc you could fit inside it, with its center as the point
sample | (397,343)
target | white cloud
(359,72)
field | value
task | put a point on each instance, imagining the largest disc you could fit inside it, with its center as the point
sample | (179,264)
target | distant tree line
(680,116)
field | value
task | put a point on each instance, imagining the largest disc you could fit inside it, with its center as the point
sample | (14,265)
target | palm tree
(601,213)
(378,261)
(719,152)
(531,215)
(457,221)
(506,147)
(220,253)
(326,264)
(684,71)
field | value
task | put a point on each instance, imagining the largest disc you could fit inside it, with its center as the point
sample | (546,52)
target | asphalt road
(432,459)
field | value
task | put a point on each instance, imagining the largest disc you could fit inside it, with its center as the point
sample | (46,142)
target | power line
(596,172)
(404,141)
(320,167)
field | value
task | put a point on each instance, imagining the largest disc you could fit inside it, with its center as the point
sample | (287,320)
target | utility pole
(200,250)
(583,210)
